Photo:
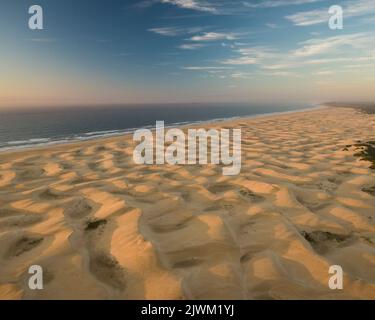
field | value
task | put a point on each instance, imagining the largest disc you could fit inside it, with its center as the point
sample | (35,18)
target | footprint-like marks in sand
(192,262)
(246,257)
(30,174)
(323,241)
(313,206)
(328,185)
(215,207)
(17,218)
(94,166)
(66,166)
(20,221)
(165,228)
(81,180)
(107,270)
(243,192)
(103,266)
(22,245)
(249,195)
(7,212)
(370,191)
(51,194)
(78,208)
(219,188)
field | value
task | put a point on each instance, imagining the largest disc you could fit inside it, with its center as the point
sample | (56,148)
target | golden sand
(104,228)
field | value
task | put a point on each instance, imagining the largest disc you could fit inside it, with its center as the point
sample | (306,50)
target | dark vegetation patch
(101,148)
(366,151)
(220,188)
(323,241)
(93,225)
(362,106)
(192,262)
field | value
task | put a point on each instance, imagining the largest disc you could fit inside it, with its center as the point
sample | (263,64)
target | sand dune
(104,228)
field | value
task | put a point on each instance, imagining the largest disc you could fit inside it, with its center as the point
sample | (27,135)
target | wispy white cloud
(292,64)
(214,36)
(319,56)
(277,3)
(314,56)
(240,75)
(191,46)
(323,73)
(192,4)
(241,61)
(250,56)
(206,68)
(175,31)
(321,46)
(145,3)
(282,74)
(309,18)
(225,7)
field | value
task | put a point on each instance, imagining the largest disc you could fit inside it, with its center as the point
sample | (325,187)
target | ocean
(25,128)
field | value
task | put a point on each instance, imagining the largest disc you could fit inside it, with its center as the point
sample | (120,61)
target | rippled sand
(104,228)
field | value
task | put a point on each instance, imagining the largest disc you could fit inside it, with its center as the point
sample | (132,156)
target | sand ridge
(104,228)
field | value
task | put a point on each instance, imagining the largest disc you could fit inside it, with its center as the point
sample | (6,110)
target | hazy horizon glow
(165,51)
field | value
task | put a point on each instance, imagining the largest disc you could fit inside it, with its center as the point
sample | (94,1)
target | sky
(188,51)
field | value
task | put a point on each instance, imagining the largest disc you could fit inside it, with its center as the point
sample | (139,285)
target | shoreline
(128,132)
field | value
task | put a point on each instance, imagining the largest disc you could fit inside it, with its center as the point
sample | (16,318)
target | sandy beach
(104,228)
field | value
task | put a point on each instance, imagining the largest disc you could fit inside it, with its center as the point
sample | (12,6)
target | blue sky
(118,51)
